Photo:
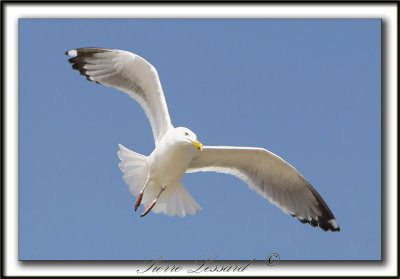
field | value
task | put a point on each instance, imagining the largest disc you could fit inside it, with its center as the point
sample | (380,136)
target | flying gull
(156,179)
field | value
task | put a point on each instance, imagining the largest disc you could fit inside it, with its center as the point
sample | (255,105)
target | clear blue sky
(307,90)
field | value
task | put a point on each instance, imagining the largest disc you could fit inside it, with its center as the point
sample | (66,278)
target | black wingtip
(322,222)
(78,60)
(326,220)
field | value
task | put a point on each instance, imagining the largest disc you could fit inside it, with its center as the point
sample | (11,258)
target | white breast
(170,160)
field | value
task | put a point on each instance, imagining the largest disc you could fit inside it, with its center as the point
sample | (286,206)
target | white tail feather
(135,168)
(175,200)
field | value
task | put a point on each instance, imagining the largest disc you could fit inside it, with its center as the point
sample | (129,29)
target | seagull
(156,179)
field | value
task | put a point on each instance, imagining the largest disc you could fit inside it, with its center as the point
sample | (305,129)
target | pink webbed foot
(153,203)
(138,200)
(147,210)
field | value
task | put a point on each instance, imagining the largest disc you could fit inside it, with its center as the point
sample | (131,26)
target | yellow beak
(198,144)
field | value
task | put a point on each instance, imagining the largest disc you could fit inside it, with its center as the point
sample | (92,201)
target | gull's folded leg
(140,196)
(138,200)
(153,203)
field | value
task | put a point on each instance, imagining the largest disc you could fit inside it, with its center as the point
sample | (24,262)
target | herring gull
(156,179)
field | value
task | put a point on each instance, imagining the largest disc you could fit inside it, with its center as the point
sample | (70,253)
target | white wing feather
(264,172)
(129,73)
(271,177)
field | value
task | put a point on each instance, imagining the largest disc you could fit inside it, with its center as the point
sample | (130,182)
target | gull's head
(186,136)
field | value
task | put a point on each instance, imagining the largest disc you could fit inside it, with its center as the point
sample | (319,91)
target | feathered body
(156,179)
(165,166)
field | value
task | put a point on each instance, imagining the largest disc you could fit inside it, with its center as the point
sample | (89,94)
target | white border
(12,12)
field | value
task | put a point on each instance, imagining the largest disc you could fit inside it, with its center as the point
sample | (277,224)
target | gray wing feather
(271,177)
(129,73)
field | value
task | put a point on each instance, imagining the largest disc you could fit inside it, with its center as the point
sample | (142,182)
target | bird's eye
(186,134)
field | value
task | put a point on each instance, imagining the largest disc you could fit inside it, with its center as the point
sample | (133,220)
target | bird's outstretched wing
(130,73)
(271,177)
